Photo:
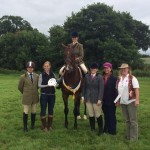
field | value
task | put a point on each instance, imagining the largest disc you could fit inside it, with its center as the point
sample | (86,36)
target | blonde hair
(47,62)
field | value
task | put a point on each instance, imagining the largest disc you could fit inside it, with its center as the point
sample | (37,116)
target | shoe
(84,117)
(79,117)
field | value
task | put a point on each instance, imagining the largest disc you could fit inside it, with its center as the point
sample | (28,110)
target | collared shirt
(29,74)
(74,43)
(93,75)
(105,77)
(123,89)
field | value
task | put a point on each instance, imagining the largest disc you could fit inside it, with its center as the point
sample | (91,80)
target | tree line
(107,35)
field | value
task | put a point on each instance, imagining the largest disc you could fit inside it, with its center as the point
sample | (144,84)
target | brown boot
(43,120)
(49,124)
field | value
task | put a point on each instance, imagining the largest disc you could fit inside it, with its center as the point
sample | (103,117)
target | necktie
(31,77)
(92,76)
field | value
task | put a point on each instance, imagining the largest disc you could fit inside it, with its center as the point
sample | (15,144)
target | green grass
(12,136)
(146,60)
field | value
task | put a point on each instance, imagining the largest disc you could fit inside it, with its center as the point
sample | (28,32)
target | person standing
(47,97)
(92,93)
(28,86)
(110,93)
(128,90)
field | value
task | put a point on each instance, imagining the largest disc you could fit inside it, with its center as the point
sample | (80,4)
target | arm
(81,54)
(136,97)
(101,88)
(40,82)
(83,88)
(136,90)
(21,84)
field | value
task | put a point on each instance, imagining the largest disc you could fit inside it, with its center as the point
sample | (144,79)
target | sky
(43,14)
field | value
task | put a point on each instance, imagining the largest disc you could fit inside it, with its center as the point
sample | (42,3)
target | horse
(71,84)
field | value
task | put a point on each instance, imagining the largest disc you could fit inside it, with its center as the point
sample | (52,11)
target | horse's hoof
(79,117)
(85,117)
(75,127)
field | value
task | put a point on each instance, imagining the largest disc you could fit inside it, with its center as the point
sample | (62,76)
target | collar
(74,43)
(125,76)
(29,73)
(93,74)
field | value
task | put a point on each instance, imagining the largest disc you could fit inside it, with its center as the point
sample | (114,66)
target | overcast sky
(42,14)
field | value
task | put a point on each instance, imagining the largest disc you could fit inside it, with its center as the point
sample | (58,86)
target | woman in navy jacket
(110,93)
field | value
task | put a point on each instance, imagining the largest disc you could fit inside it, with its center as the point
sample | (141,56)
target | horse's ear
(64,46)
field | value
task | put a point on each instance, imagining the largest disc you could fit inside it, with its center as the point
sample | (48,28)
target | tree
(57,37)
(18,48)
(108,35)
(13,24)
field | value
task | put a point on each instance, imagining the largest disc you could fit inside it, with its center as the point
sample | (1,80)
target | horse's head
(69,58)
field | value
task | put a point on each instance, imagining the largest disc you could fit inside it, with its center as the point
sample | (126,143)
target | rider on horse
(77,50)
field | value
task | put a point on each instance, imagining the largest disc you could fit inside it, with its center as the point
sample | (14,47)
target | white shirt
(29,74)
(123,89)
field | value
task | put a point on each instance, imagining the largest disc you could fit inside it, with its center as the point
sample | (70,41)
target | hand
(117,104)
(99,102)
(77,58)
(82,99)
(136,103)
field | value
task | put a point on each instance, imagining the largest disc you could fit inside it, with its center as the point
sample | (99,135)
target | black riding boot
(100,125)
(33,115)
(25,120)
(92,123)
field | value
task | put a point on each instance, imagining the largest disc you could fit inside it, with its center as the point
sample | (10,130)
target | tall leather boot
(49,123)
(92,123)
(25,120)
(100,125)
(33,115)
(44,127)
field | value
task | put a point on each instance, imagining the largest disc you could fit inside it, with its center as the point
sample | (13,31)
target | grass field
(146,60)
(12,136)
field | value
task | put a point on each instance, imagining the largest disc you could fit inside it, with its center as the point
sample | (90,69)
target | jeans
(47,100)
(109,119)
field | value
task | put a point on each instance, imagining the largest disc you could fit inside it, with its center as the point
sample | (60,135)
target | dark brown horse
(71,84)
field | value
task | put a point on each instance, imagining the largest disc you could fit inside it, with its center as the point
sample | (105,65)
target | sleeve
(135,82)
(21,84)
(101,88)
(40,82)
(54,76)
(81,53)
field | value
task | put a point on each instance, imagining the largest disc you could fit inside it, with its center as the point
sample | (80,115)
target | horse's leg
(85,114)
(66,110)
(76,110)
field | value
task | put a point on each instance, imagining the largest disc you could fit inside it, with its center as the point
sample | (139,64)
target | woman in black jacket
(110,93)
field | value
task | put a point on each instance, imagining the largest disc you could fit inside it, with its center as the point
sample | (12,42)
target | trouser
(82,65)
(130,114)
(109,119)
(47,100)
(94,110)
(26,108)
